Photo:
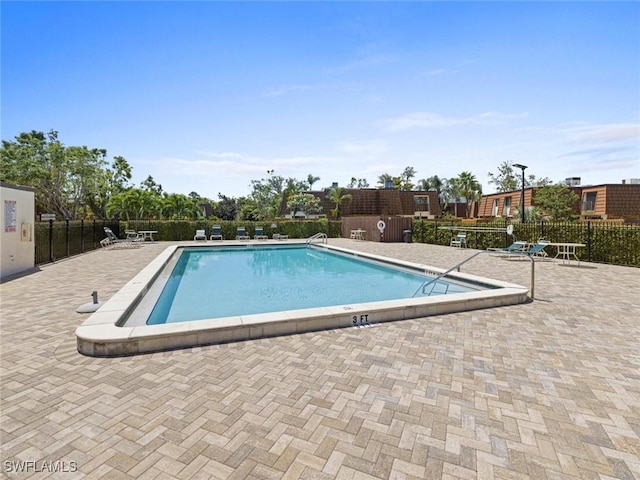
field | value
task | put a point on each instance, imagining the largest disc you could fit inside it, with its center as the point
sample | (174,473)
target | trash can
(406,236)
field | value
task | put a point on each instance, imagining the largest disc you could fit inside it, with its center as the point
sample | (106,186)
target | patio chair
(241,234)
(200,234)
(279,236)
(113,241)
(216,233)
(537,250)
(515,247)
(534,251)
(259,234)
(460,240)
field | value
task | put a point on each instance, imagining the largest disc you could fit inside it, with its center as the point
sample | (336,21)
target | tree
(150,185)
(118,206)
(60,176)
(337,195)
(303,202)
(451,192)
(405,178)
(227,208)
(470,189)
(435,184)
(267,194)
(384,178)
(358,183)
(177,206)
(311,180)
(506,180)
(402,182)
(556,202)
(134,202)
(109,182)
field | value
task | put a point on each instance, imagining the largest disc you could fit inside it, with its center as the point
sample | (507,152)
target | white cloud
(608,133)
(233,163)
(435,120)
(372,148)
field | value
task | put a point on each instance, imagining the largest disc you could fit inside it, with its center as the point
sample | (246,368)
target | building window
(506,210)
(421,203)
(589,201)
(494,210)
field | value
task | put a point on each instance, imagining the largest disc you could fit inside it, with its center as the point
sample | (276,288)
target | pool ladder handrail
(457,267)
(318,236)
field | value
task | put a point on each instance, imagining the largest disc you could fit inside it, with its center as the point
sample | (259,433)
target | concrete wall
(17,251)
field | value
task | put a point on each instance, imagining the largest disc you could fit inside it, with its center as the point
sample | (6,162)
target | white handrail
(457,267)
(317,236)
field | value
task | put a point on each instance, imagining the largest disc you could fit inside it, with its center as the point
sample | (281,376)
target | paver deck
(544,390)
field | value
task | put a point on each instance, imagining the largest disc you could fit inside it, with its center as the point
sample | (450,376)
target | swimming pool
(223,282)
(120,326)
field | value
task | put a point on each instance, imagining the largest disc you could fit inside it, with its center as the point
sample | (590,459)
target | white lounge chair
(113,241)
(460,240)
(200,234)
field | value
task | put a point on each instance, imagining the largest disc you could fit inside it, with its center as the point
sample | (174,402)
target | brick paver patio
(544,390)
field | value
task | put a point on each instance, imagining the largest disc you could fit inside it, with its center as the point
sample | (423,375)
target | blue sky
(206,96)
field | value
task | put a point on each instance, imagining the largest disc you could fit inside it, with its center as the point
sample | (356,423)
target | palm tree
(118,206)
(337,195)
(470,189)
(451,191)
(311,180)
(434,184)
(178,206)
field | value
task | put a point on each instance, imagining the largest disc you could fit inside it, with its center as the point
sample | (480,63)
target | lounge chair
(113,241)
(241,234)
(259,235)
(279,236)
(216,233)
(460,240)
(515,247)
(200,235)
(536,250)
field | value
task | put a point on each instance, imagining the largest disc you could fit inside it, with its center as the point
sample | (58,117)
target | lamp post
(523,168)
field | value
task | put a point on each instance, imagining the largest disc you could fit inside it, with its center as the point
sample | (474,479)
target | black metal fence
(56,240)
(612,243)
(604,243)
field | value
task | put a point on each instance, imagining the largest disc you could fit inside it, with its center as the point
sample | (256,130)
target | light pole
(523,168)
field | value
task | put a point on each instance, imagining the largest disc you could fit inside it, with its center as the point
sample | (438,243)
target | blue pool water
(221,282)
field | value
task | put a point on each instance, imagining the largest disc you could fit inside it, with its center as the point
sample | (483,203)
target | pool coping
(102,336)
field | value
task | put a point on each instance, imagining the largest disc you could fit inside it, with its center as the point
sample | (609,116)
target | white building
(17,250)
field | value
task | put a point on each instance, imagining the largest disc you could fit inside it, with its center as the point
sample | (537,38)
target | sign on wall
(10,217)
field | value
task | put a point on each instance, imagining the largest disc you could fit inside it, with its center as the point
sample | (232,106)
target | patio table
(567,250)
(147,234)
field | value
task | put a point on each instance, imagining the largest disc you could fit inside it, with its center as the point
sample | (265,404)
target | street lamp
(523,168)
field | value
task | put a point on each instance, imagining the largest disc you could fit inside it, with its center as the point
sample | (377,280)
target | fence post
(50,240)
(588,240)
(82,236)
(66,234)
